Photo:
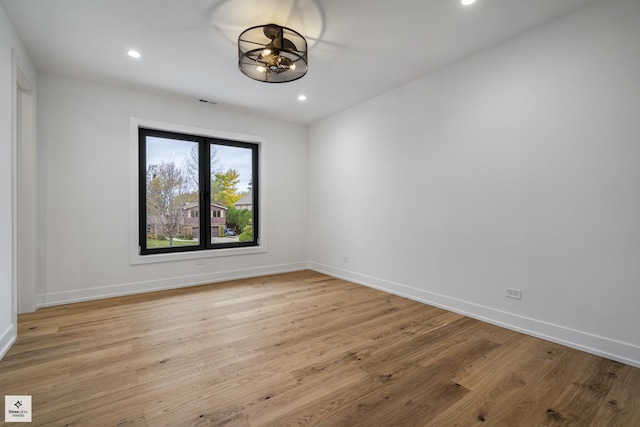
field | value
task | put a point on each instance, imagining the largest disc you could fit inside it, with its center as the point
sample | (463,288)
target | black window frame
(205,216)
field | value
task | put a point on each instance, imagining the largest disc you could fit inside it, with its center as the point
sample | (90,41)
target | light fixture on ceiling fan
(273,54)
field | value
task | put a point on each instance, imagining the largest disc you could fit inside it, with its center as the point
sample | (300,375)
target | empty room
(320,213)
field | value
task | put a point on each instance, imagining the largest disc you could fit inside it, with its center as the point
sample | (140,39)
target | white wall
(84,153)
(12,55)
(517,167)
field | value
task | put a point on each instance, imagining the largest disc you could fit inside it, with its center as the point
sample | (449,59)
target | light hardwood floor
(301,349)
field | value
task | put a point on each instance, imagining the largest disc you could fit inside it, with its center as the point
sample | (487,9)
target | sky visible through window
(171,150)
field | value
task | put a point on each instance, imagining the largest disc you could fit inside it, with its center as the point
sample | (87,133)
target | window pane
(172,189)
(179,171)
(232,212)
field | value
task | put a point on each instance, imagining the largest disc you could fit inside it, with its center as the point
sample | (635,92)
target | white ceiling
(358,48)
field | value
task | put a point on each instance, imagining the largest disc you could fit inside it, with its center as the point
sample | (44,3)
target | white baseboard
(57,298)
(600,346)
(7,339)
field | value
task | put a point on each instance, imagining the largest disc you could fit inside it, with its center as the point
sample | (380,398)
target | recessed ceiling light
(302,98)
(134,54)
(467,2)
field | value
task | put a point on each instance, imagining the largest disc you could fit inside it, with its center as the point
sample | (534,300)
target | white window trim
(135,256)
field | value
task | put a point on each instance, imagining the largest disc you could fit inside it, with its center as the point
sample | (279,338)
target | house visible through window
(190,188)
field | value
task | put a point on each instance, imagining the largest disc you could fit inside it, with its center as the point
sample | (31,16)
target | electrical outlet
(513,293)
(345,259)
(199,262)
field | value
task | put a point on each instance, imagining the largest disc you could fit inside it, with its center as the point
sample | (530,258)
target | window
(188,189)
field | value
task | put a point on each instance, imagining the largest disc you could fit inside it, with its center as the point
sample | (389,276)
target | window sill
(187,256)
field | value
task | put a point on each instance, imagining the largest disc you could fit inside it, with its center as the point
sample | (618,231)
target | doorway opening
(25,245)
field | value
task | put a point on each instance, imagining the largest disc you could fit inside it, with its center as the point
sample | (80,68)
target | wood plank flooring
(301,349)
